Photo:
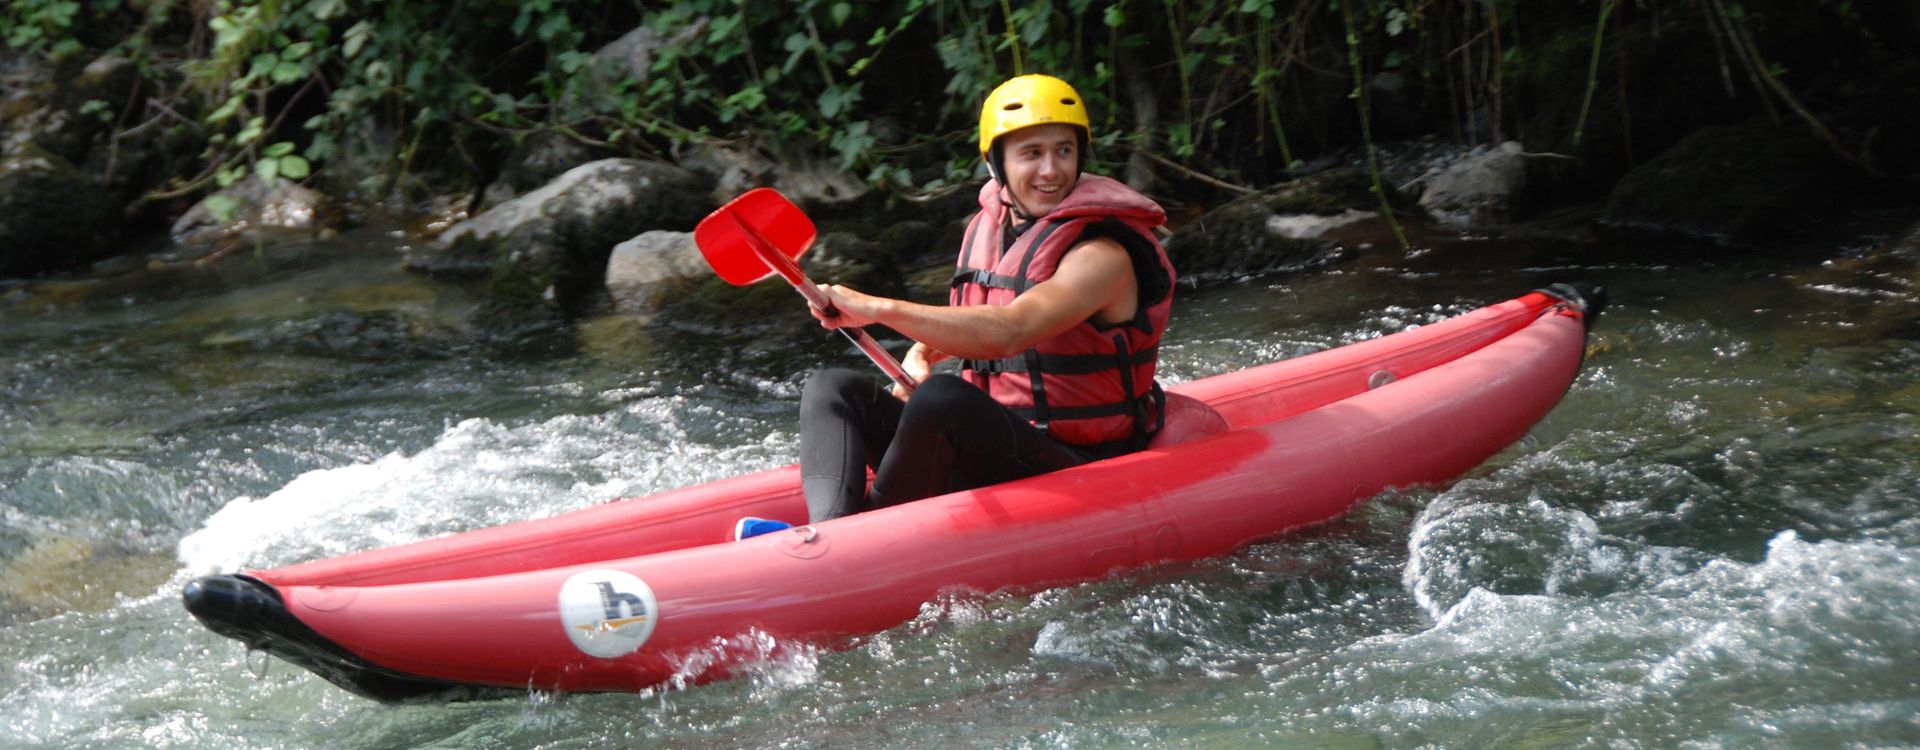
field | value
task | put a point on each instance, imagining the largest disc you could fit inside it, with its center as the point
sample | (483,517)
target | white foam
(478,473)
(1309,226)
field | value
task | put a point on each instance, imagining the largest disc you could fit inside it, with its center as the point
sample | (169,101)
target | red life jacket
(1092,385)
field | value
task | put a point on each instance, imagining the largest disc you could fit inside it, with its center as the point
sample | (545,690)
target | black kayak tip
(1588,297)
(250,611)
(230,604)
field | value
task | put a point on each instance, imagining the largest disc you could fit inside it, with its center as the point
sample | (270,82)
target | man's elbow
(1007,341)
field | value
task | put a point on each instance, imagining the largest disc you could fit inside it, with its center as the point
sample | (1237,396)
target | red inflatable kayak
(648,591)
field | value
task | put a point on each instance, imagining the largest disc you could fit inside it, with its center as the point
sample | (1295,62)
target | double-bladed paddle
(760,234)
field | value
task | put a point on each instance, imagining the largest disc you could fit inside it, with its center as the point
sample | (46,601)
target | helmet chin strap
(1018,212)
(1006,191)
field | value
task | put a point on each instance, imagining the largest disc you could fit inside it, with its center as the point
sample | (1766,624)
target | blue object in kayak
(751,527)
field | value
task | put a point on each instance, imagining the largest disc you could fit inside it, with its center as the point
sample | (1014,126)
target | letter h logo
(612,600)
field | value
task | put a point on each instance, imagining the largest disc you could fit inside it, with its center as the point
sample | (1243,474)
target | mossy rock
(1738,185)
(52,216)
(69,574)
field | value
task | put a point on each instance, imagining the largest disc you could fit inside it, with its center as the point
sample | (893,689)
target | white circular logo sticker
(607,613)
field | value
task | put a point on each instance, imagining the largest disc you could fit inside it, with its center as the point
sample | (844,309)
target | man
(1056,316)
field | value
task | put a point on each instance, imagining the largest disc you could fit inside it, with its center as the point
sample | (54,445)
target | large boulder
(1739,185)
(551,246)
(1284,229)
(1486,188)
(52,216)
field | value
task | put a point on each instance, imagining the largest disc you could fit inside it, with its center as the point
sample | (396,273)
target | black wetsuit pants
(949,436)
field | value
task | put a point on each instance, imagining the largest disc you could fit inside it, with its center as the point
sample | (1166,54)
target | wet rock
(818,183)
(644,272)
(848,258)
(68,110)
(1278,230)
(1885,119)
(75,574)
(257,210)
(627,60)
(734,169)
(359,170)
(1738,185)
(813,184)
(52,216)
(630,58)
(1907,244)
(537,161)
(1484,189)
(551,246)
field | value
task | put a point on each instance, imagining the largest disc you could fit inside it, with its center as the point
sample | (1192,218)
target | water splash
(477,473)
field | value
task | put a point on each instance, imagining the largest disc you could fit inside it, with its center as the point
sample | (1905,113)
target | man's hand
(852,309)
(919,365)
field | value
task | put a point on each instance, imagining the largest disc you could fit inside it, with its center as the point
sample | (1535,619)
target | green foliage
(285,87)
(42,25)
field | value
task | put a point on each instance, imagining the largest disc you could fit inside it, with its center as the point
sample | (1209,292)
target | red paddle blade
(759,216)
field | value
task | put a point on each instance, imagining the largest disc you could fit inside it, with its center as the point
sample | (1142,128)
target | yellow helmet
(1026,101)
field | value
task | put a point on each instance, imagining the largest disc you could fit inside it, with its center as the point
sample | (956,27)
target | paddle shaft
(797,278)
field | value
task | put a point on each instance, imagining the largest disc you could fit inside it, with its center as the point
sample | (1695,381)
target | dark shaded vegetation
(394,103)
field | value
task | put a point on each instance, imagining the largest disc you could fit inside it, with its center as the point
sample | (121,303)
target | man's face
(1042,163)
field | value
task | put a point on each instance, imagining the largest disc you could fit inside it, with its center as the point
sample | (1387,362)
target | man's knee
(944,397)
(834,384)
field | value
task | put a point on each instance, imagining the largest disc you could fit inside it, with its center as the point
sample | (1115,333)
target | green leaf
(379,73)
(840,12)
(227,110)
(322,147)
(326,10)
(222,207)
(288,72)
(853,142)
(294,167)
(1396,22)
(268,169)
(1114,17)
(553,27)
(749,98)
(263,64)
(356,39)
(251,132)
(838,100)
(279,149)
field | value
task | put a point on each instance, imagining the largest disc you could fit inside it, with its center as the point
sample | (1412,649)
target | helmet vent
(1011,106)
(1068,102)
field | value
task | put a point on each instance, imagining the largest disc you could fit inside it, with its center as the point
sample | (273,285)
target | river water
(1711,542)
